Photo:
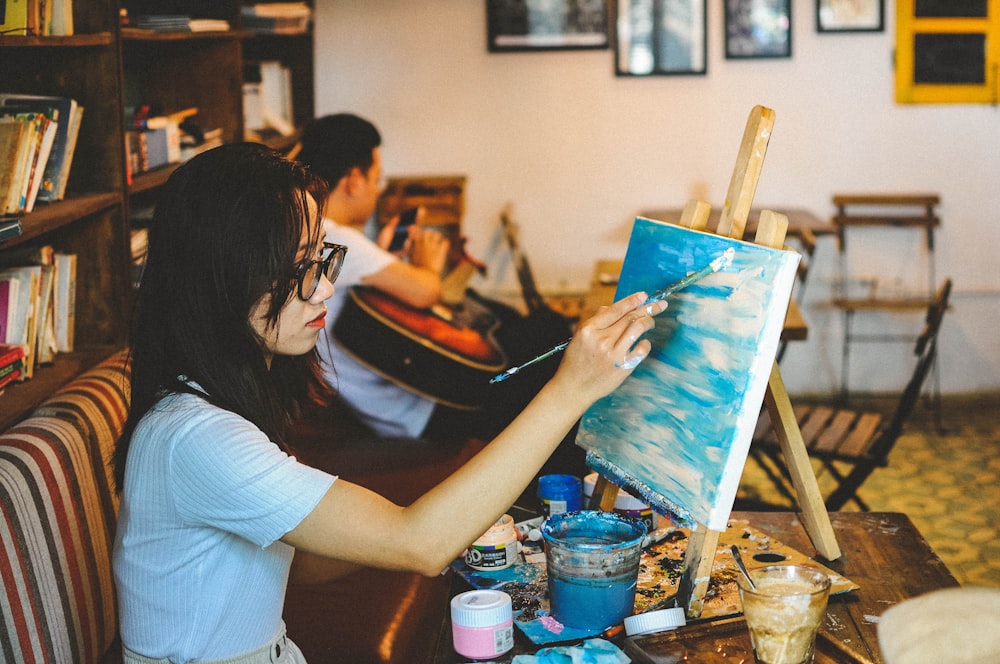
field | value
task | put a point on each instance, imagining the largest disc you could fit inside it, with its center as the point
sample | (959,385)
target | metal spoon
(743,568)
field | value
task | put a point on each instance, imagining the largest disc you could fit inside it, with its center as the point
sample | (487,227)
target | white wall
(578,152)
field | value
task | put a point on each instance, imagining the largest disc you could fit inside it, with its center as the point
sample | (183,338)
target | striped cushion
(57,515)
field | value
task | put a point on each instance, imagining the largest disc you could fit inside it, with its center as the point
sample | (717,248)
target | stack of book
(163,22)
(37,304)
(282,18)
(36,17)
(38,137)
(11,364)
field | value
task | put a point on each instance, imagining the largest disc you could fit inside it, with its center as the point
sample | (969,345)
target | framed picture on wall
(660,37)
(540,25)
(850,15)
(758,29)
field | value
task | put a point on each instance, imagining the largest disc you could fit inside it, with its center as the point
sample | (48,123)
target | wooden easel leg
(815,518)
(697,570)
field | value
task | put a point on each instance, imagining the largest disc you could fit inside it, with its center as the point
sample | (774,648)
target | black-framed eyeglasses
(309,274)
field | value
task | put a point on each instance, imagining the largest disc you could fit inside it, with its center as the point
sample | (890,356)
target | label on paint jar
(559,494)
(496,549)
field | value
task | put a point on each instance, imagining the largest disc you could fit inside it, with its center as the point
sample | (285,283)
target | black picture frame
(661,37)
(758,29)
(850,16)
(555,25)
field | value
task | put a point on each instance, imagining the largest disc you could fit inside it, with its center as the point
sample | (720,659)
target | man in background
(345,150)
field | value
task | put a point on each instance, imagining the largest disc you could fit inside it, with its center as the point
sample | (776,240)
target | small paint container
(559,494)
(625,504)
(482,624)
(496,548)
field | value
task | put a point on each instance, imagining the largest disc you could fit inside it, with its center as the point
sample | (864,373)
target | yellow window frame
(908,26)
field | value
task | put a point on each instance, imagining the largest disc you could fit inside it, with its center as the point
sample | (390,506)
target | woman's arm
(354,524)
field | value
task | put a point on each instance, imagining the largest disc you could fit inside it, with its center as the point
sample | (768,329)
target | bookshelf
(91,221)
(108,68)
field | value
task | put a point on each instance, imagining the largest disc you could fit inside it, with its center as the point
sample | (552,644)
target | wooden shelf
(74,41)
(137,34)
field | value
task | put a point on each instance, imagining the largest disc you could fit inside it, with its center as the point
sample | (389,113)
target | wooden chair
(860,439)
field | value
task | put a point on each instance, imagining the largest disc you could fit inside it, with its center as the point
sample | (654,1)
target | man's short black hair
(334,144)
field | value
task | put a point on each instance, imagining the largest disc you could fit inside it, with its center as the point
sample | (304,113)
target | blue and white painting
(678,430)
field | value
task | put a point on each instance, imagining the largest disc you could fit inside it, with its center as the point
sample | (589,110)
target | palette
(659,576)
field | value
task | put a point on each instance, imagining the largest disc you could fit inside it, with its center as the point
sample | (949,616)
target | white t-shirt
(387,408)
(198,564)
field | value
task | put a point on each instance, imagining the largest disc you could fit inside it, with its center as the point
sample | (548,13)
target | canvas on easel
(678,431)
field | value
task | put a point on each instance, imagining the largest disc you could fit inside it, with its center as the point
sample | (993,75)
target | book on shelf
(11,363)
(15,17)
(10,288)
(64,301)
(10,226)
(10,353)
(23,330)
(271,83)
(36,17)
(13,373)
(283,18)
(11,140)
(19,157)
(62,17)
(44,257)
(33,269)
(68,114)
(208,25)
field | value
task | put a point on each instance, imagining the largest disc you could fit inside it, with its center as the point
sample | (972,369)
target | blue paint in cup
(592,562)
(560,493)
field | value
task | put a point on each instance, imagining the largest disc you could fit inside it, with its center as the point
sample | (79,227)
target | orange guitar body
(445,354)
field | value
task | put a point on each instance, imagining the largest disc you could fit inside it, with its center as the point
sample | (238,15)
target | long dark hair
(225,233)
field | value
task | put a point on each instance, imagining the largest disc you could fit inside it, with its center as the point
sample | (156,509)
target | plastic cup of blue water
(592,562)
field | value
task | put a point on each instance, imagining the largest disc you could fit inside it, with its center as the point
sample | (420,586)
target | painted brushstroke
(679,428)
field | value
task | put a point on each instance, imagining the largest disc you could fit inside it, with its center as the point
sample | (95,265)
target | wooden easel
(771,229)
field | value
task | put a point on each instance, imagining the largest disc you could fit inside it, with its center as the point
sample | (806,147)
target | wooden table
(883,553)
(605,280)
(799,220)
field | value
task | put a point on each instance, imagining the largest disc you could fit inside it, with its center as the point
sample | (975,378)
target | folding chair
(859,439)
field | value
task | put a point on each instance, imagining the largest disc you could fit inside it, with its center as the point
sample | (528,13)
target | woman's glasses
(309,274)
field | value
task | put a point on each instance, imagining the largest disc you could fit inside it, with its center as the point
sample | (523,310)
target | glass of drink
(783,611)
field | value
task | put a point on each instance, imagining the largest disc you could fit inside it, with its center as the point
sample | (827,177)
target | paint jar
(559,494)
(625,504)
(592,562)
(496,548)
(482,626)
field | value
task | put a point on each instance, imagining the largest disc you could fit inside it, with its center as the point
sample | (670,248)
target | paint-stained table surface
(883,553)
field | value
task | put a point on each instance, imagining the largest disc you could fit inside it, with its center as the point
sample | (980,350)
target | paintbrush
(717,264)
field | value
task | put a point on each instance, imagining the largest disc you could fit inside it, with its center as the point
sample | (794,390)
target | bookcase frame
(106,68)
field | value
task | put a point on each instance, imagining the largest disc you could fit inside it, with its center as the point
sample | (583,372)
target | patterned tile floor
(947,481)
